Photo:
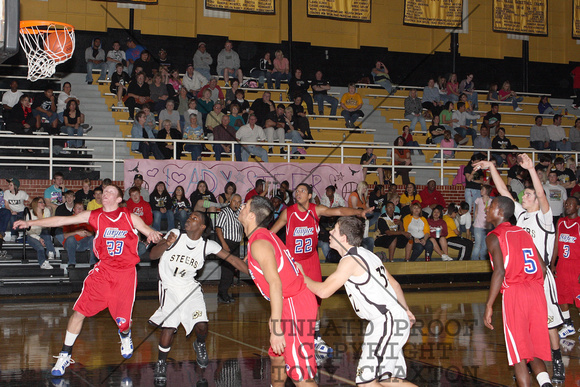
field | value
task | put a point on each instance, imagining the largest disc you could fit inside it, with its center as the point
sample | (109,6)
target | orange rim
(27,26)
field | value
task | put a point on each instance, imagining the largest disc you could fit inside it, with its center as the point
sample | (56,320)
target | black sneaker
(202,383)
(231,298)
(223,300)
(559,374)
(160,374)
(201,352)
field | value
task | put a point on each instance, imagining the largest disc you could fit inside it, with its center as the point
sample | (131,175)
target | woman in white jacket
(39,237)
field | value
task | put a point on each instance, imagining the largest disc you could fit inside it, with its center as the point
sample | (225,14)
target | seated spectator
(298,86)
(140,130)
(243,104)
(202,60)
(402,156)
(436,131)
(500,142)
(138,205)
(465,218)
(369,158)
(566,177)
(480,225)
(173,83)
(441,85)
(228,64)
(431,98)
(506,94)
(409,197)
(558,138)
(287,194)
(192,109)
(53,194)
(377,198)
(545,107)
(231,94)
(193,131)
(148,65)
(225,134)
(85,194)
(161,206)
(492,94)
(138,183)
(460,126)
(575,135)
(418,227)
(78,237)
(281,71)
(119,84)
(414,111)
(483,141)
(351,103)
(182,106)
(320,88)
(274,128)
(115,57)
(132,53)
(454,239)
(446,116)
(193,81)
(467,87)
(73,121)
(181,206)
(67,206)
(408,137)
(431,198)
(469,109)
(39,238)
(216,91)
(331,199)
(392,234)
(261,107)
(213,119)
(294,133)
(516,181)
(158,93)
(138,93)
(539,136)
(359,199)
(95,58)
(264,71)
(252,133)
(15,200)
(167,131)
(300,118)
(381,77)
(150,120)
(11,97)
(169,113)
(492,120)
(448,143)
(97,202)
(205,105)
(44,106)
(438,234)
(202,199)
(21,119)
(453,88)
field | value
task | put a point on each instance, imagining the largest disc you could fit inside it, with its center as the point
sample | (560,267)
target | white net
(46,44)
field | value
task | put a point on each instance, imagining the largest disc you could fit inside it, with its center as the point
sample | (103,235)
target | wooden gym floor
(449,346)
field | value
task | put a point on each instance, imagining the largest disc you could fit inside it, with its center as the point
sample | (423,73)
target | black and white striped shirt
(230,225)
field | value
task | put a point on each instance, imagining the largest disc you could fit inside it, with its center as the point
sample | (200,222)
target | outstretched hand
(525,161)
(19,224)
(154,237)
(482,165)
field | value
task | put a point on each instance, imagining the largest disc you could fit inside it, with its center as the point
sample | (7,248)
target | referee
(230,233)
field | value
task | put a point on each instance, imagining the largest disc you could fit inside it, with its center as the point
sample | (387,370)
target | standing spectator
(230,234)
(431,197)
(11,98)
(320,88)
(402,156)
(85,194)
(161,205)
(15,201)
(264,71)
(418,227)
(78,237)
(38,237)
(138,93)
(501,142)
(480,224)
(97,201)
(225,134)
(539,136)
(281,71)
(44,106)
(95,58)
(202,60)
(506,94)
(217,93)
(228,64)
(299,87)
(193,131)
(473,180)
(252,133)
(381,77)
(53,194)
(414,111)
(467,87)
(168,132)
(556,195)
(438,234)
(181,206)
(436,131)
(391,234)
(114,57)
(261,107)
(140,130)
(119,83)
(460,117)
(138,183)
(492,120)
(482,141)
(558,140)
(138,205)
(545,107)
(351,103)
(576,85)
(575,135)
(453,88)
(193,81)
(431,98)
(73,121)
(132,53)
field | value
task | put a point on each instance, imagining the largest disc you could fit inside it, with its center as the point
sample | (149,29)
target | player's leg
(121,308)
(165,341)
(277,371)
(199,347)
(73,329)
(522,374)
(558,371)
(539,369)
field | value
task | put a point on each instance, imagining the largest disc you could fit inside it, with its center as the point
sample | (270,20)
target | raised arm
(161,247)
(527,163)
(342,211)
(280,222)
(152,235)
(497,180)
(54,221)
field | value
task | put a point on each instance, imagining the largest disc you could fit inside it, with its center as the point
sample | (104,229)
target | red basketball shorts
(567,285)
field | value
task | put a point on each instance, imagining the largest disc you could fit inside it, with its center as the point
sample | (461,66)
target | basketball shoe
(559,374)
(126,345)
(320,346)
(64,360)
(201,352)
(160,374)
(566,330)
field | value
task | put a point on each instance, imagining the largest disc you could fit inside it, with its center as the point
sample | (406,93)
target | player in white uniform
(180,295)
(375,296)
(535,216)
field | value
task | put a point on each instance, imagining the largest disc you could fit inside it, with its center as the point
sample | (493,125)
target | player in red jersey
(112,282)
(293,306)
(301,220)
(567,248)
(518,273)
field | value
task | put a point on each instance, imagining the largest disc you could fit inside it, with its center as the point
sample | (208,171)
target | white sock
(317,326)
(542,378)
(70,339)
(163,349)
(566,314)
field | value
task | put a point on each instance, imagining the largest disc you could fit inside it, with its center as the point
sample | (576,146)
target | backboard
(9,28)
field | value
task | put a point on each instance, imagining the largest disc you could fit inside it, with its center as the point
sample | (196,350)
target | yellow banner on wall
(434,13)
(576,19)
(358,10)
(251,6)
(529,17)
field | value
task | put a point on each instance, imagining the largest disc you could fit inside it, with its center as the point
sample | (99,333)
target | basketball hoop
(46,44)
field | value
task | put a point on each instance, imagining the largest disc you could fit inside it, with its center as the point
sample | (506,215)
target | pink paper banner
(217,173)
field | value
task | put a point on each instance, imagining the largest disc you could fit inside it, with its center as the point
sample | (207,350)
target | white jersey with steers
(540,226)
(370,294)
(179,264)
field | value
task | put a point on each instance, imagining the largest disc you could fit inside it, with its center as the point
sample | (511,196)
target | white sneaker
(46,266)
(566,330)
(320,346)
(63,361)
(50,255)
(120,104)
(446,257)
(126,345)
(519,109)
